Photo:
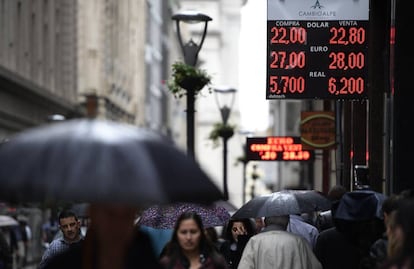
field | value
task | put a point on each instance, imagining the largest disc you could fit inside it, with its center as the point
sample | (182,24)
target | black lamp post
(225,99)
(190,51)
(244,161)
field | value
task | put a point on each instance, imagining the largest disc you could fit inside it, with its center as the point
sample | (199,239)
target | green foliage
(220,130)
(187,78)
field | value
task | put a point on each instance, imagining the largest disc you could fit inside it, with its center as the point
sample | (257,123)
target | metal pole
(225,190)
(244,182)
(190,122)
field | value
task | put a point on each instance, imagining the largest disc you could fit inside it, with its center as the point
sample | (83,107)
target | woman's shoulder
(165,261)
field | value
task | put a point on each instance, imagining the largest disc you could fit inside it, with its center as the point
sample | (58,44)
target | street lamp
(190,51)
(225,99)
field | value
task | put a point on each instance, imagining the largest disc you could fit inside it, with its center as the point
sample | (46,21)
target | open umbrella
(91,160)
(165,216)
(360,205)
(81,210)
(285,202)
(7,221)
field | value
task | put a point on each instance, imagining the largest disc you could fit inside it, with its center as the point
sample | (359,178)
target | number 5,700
(286,84)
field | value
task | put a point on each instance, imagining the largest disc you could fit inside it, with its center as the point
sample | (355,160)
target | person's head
(389,205)
(211,234)
(69,224)
(189,232)
(259,224)
(236,227)
(280,221)
(336,192)
(401,231)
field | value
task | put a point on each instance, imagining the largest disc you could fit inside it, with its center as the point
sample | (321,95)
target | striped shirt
(56,246)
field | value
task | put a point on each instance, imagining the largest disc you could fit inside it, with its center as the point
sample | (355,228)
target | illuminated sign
(317,130)
(276,148)
(317,51)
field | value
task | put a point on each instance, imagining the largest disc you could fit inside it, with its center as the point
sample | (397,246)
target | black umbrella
(285,202)
(90,160)
(81,210)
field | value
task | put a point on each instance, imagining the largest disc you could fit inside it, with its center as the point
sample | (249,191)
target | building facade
(38,75)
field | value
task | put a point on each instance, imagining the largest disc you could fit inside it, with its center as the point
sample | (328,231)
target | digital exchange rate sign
(277,148)
(317,49)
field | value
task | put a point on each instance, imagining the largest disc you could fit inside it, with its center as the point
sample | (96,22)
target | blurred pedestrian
(69,224)
(26,232)
(212,235)
(18,238)
(49,230)
(276,248)
(189,246)
(6,255)
(236,234)
(378,250)
(347,244)
(401,237)
(325,220)
(297,225)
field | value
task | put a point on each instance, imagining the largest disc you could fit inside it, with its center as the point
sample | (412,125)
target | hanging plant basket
(192,83)
(221,130)
(186,78)
(226,132)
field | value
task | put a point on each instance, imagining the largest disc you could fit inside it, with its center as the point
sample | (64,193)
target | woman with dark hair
(236,234)
(189,246)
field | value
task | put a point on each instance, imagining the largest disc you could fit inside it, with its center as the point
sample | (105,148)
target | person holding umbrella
(358,223)
(276,248)
(111,165)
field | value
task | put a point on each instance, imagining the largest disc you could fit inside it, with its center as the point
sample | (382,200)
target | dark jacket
(6,255)
(182,263)
(233,256)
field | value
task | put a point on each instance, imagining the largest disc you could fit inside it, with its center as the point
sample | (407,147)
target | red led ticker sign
(277,148)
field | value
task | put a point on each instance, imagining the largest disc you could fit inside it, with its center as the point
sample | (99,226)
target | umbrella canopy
(7,221)
(165,216)
(91,160)
(81,210)
(360,205)
(285,202)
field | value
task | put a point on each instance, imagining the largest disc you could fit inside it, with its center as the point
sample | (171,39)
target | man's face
(70,228)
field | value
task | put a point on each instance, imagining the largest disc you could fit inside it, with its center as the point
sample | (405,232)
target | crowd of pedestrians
(323,241)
